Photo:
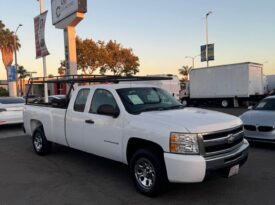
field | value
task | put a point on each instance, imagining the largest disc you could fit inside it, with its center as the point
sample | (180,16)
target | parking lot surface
(10,131)
(68,176)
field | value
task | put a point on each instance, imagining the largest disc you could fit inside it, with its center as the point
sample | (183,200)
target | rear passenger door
(75,120)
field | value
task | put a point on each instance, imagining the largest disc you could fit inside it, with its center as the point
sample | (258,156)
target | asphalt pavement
(69,176)
(11,131)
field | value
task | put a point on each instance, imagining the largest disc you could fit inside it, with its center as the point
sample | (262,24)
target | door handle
(89,121)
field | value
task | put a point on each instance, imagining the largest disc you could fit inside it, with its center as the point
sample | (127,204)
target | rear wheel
(148,172)
(40,144)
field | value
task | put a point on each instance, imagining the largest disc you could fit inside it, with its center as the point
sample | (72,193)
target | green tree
(120,60)
(22,75)
(91,55)
(111,57)
(184,71)
(7,45)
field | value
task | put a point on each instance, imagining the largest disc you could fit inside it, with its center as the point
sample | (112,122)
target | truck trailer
(226,85)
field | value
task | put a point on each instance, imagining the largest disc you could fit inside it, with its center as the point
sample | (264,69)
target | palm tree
(22,74)
(7,45)
(184,71)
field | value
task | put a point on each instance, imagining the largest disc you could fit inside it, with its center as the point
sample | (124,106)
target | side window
(81,99)
(102,97)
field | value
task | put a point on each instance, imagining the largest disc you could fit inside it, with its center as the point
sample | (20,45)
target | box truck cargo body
(227,84)
(270,82)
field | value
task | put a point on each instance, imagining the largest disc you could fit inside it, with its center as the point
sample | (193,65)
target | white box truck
(271,82)
(226,85)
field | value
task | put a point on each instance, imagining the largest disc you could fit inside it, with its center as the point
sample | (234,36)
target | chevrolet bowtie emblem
(230,139)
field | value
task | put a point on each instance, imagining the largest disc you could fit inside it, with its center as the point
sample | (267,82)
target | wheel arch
(136,143)
(34,124)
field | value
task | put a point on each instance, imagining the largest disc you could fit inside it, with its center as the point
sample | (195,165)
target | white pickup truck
(144,127)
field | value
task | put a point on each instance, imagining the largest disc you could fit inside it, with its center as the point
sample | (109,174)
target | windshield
(137,100)
(266,104)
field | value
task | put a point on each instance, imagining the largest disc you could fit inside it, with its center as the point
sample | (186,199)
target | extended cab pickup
(142,126)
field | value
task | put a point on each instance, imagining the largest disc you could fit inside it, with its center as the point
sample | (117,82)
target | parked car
(51,98)
(142,126)
(259,122)
(11,110)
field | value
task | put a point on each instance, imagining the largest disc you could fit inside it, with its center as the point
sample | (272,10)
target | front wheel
(184,102)
(40,144)
(224,103)
(148,172)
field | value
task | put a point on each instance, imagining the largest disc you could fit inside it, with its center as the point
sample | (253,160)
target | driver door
(103,134)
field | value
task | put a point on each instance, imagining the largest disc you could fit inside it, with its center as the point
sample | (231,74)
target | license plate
(234,170)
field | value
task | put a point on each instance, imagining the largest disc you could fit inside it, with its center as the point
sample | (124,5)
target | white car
(11,110)
(259,122)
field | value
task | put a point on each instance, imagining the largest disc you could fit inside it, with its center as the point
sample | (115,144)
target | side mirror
(250,108)
(108,110)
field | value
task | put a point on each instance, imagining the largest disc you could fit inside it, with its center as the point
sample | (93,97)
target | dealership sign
(39,29)
(62,9)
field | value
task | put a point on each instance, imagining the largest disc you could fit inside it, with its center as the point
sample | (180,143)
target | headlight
(184,143)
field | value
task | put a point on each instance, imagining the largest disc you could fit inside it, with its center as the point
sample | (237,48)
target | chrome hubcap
(38,142)
(145,173)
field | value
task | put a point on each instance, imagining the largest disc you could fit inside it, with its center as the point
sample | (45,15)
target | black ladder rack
(73,79)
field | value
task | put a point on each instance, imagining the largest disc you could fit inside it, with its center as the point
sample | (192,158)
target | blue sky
(160,32)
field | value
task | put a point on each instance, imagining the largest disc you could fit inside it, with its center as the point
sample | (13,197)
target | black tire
(158,174)
(41,145)
(184,102)
(225,103)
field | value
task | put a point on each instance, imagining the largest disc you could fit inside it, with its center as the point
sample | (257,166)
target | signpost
(12,73)
(66,14)
(41,49)
(12,80)
(207,55)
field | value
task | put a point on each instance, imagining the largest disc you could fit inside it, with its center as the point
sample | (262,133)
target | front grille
(223,141)
(224,146)
(222,134)
(250,127)
(265,129)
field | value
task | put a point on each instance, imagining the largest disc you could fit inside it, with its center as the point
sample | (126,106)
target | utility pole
(44,59)
(206,32)
(15,59)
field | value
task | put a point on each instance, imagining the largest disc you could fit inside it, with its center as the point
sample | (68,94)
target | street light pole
(41,2)
(193,60)
(15,58)
(206,33)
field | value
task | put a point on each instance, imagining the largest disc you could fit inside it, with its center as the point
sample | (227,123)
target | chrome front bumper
(229,159)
